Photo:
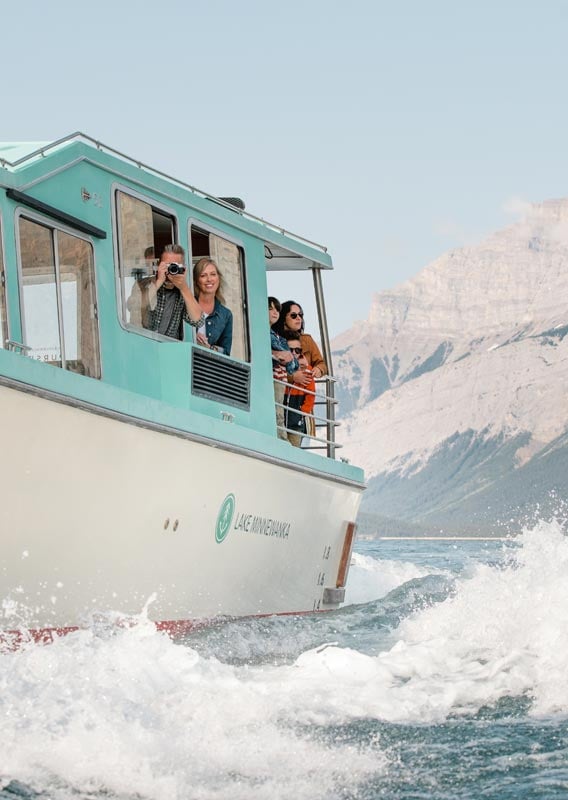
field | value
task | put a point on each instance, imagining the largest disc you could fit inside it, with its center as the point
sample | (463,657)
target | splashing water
(433,657)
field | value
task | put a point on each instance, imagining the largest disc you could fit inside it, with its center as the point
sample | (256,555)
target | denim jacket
(278,342)
(219,328)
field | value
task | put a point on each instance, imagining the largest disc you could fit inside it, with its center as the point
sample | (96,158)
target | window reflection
(58,298)
(3,317)
(78,304)
(39,291)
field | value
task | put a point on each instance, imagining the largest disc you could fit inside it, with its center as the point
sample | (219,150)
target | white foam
(132,713)
(503,634)
(371,579)
(128,712)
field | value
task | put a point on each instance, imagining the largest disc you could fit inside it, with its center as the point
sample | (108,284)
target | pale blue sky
(389,131)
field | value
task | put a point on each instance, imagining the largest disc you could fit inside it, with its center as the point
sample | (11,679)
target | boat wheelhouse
(136,465)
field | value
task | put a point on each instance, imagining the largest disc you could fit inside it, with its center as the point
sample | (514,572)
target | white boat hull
(99,514)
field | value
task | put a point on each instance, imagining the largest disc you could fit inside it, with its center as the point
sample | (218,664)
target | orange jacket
(312,353)
(309,393)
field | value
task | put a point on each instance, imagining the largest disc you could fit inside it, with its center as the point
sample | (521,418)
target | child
(299,398)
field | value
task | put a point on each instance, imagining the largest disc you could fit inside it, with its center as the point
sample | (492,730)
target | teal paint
(141,376)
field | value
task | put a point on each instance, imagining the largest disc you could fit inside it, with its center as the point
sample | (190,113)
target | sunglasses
(295,314)
(297,350)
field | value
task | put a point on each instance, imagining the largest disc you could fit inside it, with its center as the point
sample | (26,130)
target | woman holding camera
(162,302)
(216,330)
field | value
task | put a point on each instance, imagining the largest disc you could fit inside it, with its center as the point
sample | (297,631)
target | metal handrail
(329,443)
(17,347)
(41,151)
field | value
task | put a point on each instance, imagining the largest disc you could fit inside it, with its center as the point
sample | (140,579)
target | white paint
(88,498)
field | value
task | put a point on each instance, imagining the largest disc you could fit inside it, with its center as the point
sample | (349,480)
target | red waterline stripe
(13,640)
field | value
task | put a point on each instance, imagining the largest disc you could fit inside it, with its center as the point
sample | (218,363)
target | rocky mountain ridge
(458,379)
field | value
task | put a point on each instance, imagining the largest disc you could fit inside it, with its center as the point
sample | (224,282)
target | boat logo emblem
(224,518)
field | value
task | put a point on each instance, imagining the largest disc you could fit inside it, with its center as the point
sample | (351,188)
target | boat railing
(227,202)
(320,426)
(17,347)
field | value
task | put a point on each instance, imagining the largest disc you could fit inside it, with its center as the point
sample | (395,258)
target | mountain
(454,391)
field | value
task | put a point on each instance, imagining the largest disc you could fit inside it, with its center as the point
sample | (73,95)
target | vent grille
(218,378)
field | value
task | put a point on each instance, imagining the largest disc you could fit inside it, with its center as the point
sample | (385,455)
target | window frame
(117,248)
(206,227)
(55,227)
(6,329)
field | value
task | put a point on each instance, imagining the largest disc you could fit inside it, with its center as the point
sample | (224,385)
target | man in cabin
(162,302)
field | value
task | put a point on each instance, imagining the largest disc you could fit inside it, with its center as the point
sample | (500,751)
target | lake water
(444,677)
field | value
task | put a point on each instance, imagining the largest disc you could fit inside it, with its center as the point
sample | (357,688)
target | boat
(141,471)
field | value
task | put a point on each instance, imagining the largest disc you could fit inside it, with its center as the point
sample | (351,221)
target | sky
(391,132)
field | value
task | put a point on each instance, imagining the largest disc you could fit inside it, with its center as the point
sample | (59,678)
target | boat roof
(16,154)
(12,152)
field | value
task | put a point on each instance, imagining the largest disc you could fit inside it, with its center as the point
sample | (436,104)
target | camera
(176,269)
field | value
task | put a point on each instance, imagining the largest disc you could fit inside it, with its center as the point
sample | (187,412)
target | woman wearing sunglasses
(292,320)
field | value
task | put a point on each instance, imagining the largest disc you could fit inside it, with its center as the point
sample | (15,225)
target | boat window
(143,231)
(3,318)
(58,298)
(229,258)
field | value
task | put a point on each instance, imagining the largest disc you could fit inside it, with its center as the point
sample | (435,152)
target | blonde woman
(217,330)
